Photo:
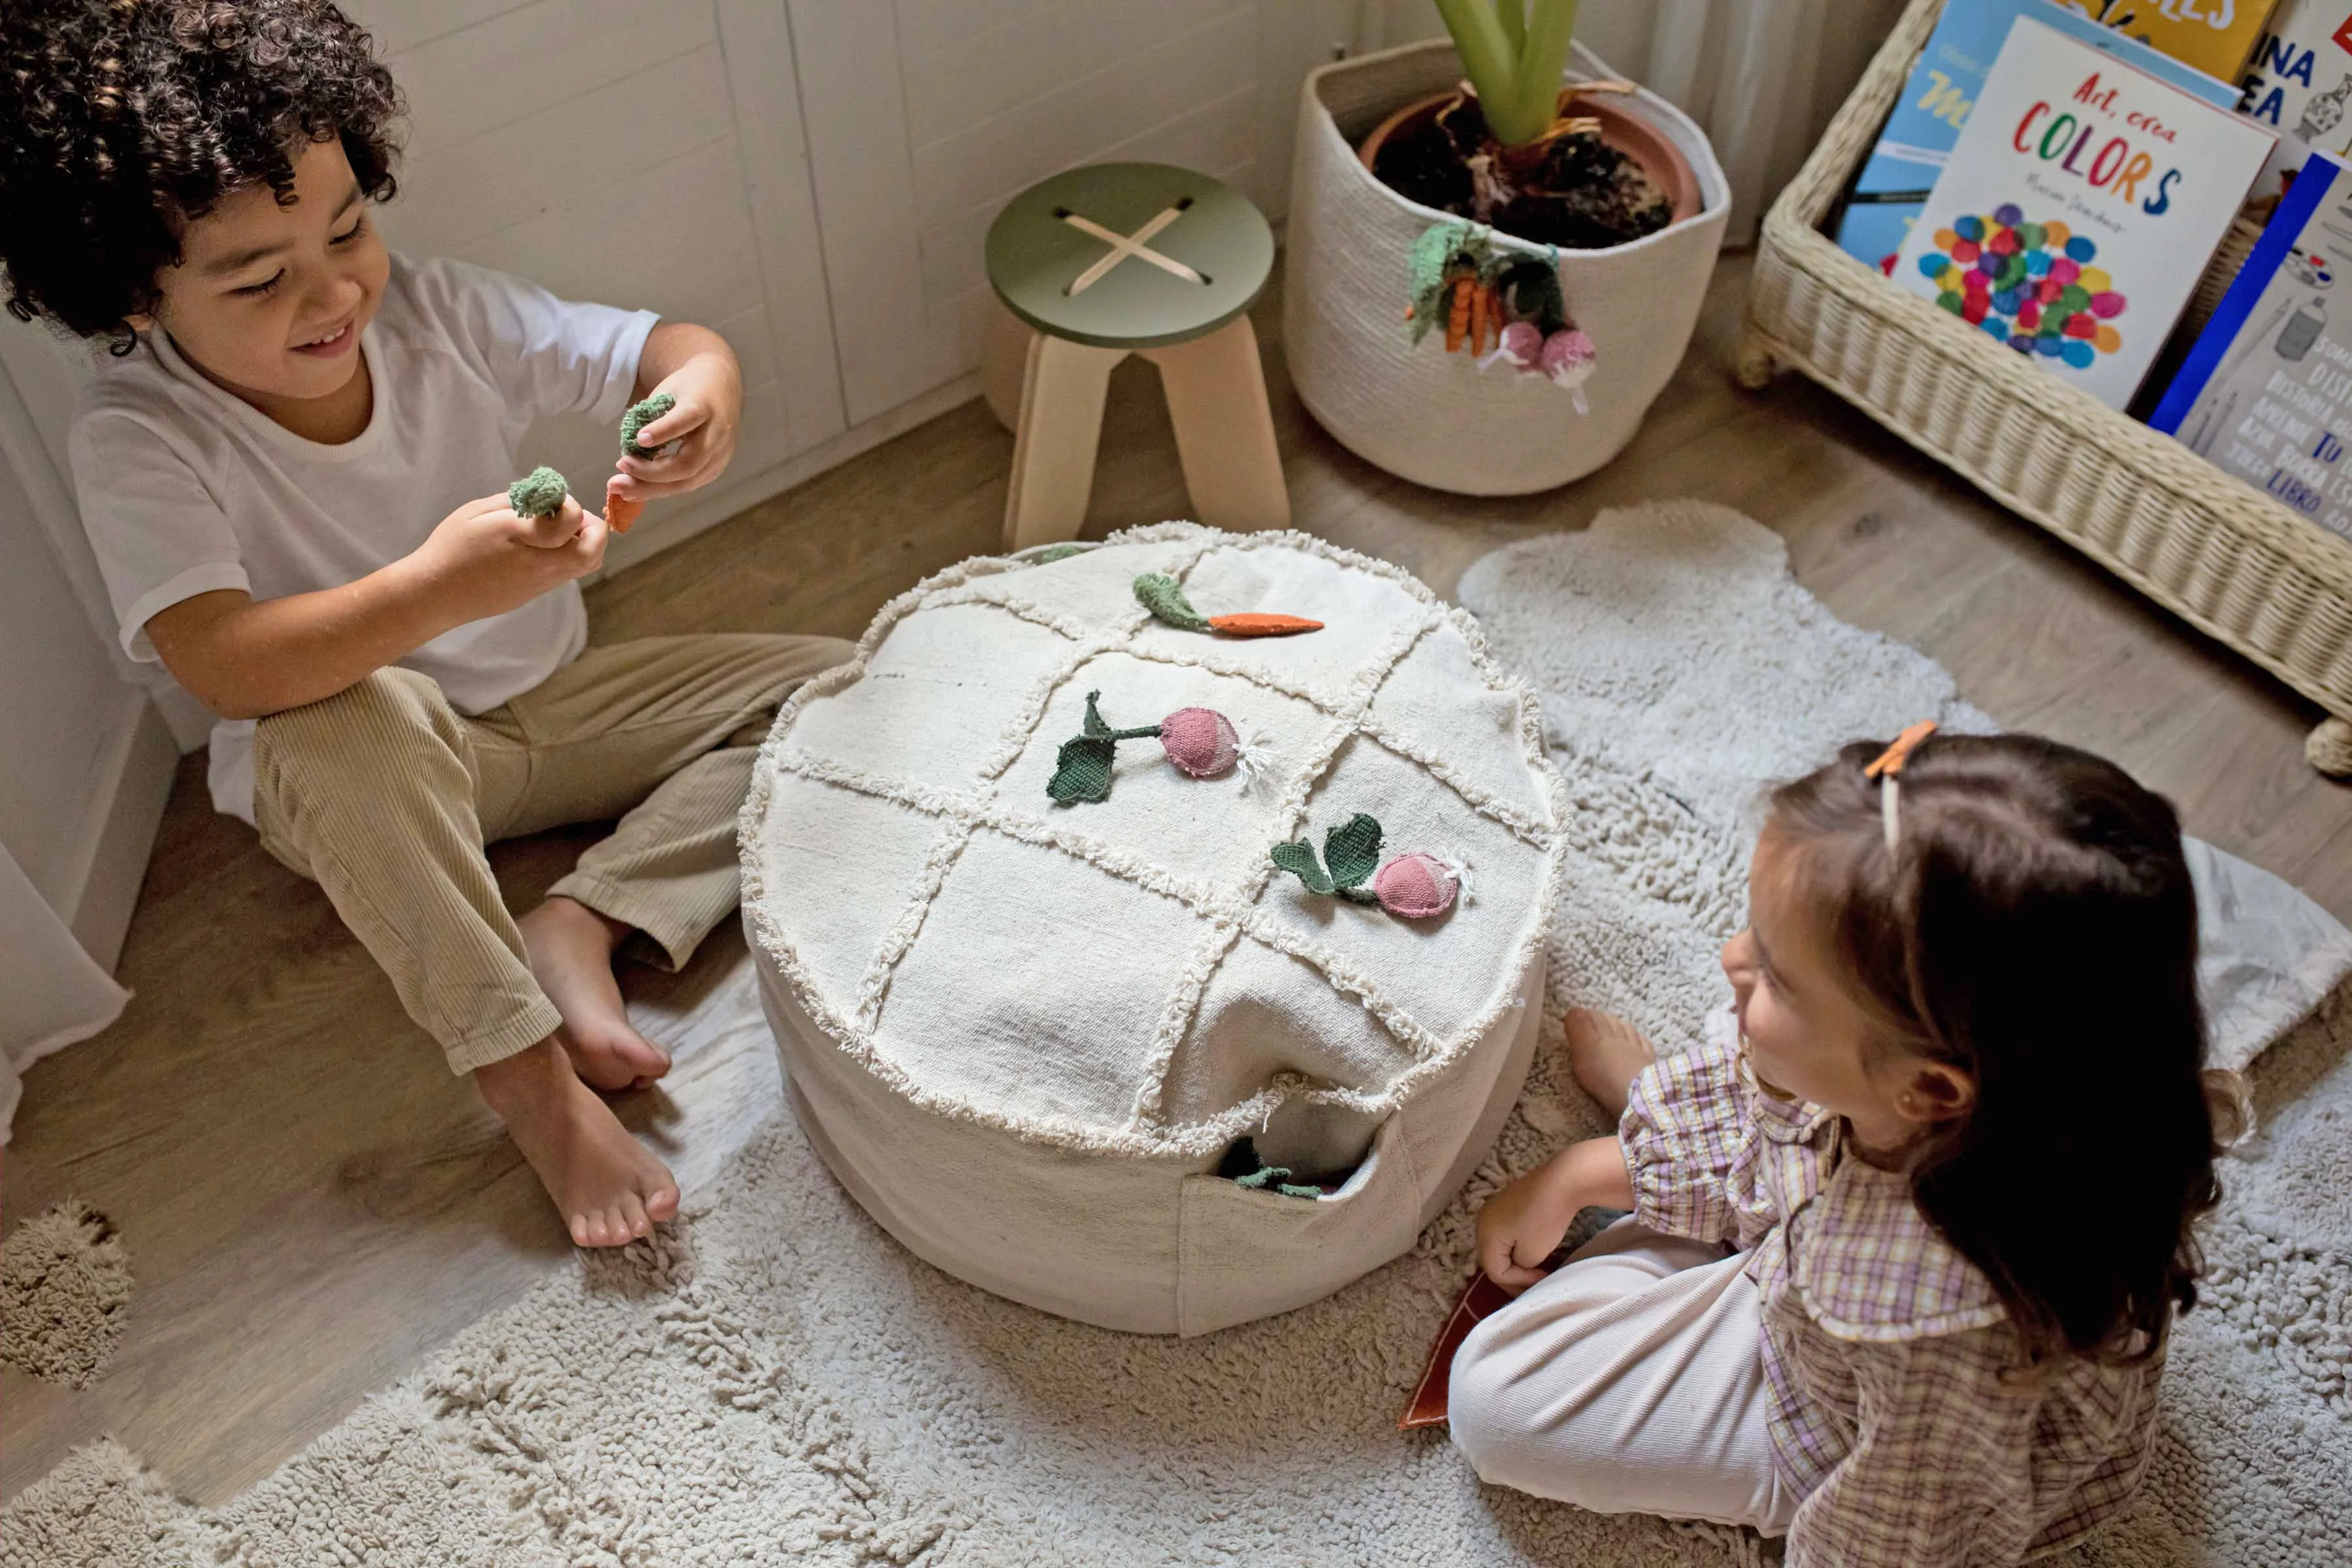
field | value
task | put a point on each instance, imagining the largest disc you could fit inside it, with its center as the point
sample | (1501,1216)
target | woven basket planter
(2214,551)
(1434,417)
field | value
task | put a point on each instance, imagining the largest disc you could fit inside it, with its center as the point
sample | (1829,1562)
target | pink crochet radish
(1201,742)
(1414,886)
(1569,358)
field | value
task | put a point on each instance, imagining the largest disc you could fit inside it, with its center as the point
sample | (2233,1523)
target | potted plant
(1560,225)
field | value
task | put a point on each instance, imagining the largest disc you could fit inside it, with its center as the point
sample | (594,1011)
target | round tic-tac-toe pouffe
(1140,969)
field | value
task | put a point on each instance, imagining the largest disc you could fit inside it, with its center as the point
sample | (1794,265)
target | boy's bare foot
(609,1190)
(1607,1054)
(570,947)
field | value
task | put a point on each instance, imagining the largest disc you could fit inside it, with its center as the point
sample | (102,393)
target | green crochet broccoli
(639,416)
(539,493)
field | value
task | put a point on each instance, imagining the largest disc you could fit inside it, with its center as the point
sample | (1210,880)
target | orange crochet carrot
(1263,626)
(620,511)
(1457,321)
(1479,318)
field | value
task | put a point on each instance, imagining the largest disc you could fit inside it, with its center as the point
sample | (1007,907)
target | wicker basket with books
(2230,561)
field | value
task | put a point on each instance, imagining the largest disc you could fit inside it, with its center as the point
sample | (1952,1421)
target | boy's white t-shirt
(185,489)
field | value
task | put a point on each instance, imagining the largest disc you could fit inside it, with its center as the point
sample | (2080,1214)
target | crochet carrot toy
(1159,594)
(619,510)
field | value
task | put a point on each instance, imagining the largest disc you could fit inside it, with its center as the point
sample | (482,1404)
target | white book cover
(2081,204)
(2299,84)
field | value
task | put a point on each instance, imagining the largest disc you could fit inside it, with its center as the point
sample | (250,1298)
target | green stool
(1120,258)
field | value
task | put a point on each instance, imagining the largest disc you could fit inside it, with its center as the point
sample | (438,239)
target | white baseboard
(132,781)
(680,522)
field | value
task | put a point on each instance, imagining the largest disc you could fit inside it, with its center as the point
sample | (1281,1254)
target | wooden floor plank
(312,1203)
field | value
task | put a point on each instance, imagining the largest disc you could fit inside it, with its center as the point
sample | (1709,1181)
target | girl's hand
(704,378)
(1522,1224)
(1519,1227)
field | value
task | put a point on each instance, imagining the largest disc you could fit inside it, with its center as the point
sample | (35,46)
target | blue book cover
(2266,392)
(1921,131)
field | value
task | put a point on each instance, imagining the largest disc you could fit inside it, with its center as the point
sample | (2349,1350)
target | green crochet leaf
(1530,291)
(1054,552)
(639,416)
(1434,250)
(1166,601)
(1082,769)
(539,493)
(1353,849)
(1298,859)
(1268,1178)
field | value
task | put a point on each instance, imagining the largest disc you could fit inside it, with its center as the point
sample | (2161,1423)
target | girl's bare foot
(570,947)
(609,1190)
(1607,1054)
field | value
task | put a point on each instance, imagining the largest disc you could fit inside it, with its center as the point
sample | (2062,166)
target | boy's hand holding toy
(490,555)
(683,436)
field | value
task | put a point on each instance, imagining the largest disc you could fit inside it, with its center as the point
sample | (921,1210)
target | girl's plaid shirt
(1901,1409)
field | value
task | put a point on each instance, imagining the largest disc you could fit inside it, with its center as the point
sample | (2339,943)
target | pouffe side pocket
(1027,1034)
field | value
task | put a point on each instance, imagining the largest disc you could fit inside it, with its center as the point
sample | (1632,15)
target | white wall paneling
(926,116)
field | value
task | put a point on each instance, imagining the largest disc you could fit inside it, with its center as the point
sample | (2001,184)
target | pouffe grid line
(1229,915)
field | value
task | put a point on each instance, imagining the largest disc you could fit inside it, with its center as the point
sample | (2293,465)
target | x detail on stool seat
(1123,246)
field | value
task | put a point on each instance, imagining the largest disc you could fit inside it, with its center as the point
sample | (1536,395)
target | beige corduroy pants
(384,795)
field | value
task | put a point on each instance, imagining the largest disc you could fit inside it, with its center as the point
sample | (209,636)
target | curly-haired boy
(292,468)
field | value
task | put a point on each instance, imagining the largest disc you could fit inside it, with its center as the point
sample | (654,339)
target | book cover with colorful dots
(2080,207)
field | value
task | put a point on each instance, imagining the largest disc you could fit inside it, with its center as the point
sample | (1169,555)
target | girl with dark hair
(1909,1231)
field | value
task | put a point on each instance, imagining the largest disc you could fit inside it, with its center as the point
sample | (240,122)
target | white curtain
(1763,76)
(51,993)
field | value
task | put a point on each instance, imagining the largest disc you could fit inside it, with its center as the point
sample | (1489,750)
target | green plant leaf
(1094,726)
(1161,595)
(1353,849)
(1298,859)
(1082,769)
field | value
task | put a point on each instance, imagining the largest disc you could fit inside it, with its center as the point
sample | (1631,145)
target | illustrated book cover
(2079,208)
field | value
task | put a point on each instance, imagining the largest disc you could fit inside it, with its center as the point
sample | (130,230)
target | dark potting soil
(1587,194)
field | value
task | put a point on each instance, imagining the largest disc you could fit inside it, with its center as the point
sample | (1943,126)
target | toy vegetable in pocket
(1201,742)
(1159,594)
(1412,886)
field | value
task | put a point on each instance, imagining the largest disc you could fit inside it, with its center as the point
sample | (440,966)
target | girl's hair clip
(1890,761)
(1886,770)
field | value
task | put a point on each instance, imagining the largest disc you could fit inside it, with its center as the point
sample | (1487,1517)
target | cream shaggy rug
(774,1380)
(65,1279)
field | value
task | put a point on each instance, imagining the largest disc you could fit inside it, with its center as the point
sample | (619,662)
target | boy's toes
(613,1058)
(662,1202)
(632,1218)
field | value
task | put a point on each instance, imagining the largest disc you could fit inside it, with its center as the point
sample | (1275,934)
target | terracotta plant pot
(1636,138)
(1437,418)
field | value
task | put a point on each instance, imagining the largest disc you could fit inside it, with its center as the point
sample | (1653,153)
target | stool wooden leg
(1225,428)
(1005,363)
(1054,450)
